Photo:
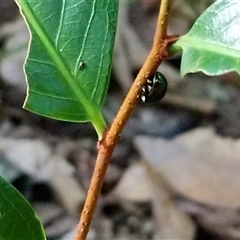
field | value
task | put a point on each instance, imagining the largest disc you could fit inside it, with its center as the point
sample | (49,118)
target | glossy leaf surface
(213,43)
(18,221)
(70,55)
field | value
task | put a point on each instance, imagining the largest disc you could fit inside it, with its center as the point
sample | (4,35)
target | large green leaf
(213,44)
(18,221)
(70,55)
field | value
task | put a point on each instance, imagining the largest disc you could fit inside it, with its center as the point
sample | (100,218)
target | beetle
(155,88)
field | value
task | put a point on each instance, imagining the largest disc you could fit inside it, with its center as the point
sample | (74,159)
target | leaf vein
(61,23)
(85,35)
(53,96)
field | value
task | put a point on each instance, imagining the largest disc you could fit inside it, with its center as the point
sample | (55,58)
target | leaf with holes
(69,61)
(213,43)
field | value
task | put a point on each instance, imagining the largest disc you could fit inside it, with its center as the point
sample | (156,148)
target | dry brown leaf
(170,221)
(199,164)
(204,169)
(134,185)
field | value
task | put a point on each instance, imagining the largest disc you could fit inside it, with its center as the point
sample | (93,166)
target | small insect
(155,88)
(81,65)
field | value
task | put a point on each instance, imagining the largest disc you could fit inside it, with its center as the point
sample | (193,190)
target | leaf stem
(111,136)
(99,124)
(174,49)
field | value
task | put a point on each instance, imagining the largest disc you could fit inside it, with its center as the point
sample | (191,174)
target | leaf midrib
(196,43)
(55,56)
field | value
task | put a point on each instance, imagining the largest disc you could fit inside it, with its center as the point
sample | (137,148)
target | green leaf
(213,43)
(18,221)
(70,57)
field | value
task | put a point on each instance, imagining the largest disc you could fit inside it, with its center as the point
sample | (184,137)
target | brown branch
(111,136)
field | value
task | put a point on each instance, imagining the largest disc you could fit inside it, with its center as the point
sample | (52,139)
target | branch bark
(106,146)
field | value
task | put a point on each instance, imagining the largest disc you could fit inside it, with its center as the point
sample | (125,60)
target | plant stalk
(111,136)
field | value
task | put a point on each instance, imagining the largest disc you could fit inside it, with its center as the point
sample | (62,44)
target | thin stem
(99,125)
(173,49)
(111,136)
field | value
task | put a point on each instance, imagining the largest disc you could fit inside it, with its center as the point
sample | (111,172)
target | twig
(111,136)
